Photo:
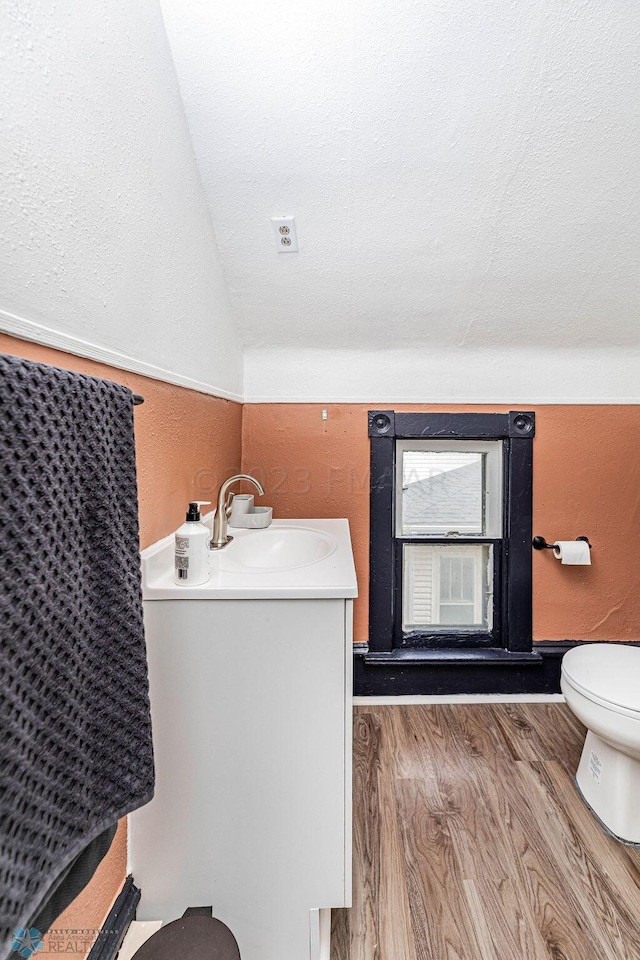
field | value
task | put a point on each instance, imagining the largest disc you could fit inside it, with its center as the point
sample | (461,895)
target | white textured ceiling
(463,173)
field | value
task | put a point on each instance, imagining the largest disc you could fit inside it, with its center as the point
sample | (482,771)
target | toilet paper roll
(575,552)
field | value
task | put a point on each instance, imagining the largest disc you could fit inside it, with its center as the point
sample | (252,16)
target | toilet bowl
(601,684)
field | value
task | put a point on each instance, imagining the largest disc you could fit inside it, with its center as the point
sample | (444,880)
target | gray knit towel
(75,727)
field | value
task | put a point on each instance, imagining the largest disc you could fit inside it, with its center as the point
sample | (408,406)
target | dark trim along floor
(413,672)
(112,934)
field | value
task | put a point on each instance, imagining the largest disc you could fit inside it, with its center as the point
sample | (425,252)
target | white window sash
(493,506)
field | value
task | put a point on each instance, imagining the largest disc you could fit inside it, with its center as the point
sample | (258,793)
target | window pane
(459,614)
(447,586)
(442,493)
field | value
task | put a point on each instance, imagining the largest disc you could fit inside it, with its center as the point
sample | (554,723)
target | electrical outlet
(284,229)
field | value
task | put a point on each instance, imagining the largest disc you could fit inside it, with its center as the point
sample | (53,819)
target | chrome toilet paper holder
(539,543)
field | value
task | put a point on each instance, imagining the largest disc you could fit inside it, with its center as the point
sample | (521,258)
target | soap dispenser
(192,548)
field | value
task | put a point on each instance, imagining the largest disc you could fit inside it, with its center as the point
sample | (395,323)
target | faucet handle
(228,502)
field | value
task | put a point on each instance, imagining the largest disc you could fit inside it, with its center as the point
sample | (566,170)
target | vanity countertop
(278,562)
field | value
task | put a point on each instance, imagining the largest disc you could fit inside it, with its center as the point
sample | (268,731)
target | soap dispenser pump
(192,548)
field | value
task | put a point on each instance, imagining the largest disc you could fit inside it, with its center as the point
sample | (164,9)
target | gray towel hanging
(75,729)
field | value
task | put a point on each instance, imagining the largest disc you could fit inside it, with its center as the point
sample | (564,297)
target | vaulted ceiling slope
(462,174)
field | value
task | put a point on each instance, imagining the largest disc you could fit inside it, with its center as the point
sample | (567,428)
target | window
(445,586)
(445,488)
(450,553)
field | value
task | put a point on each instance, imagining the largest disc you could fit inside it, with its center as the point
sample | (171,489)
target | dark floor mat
(190,938)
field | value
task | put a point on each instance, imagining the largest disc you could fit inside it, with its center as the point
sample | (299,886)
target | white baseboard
(461,698)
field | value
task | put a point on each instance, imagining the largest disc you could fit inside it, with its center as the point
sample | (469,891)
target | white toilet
(601,684)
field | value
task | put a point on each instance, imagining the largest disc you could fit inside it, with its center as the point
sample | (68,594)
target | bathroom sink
(276,549)
(290,559)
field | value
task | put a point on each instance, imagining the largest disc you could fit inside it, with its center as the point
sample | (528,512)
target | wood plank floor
(471,843)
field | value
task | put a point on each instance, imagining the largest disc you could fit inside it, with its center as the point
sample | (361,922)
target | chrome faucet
(220,535)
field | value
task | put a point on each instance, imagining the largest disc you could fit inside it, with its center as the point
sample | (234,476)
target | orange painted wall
(586,482)
(186,444)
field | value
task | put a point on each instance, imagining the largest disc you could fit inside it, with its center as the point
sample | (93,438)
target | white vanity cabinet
(251,711)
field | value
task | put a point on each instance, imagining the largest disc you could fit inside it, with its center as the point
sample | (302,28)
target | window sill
(447,657)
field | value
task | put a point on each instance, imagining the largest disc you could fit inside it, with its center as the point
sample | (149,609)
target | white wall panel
(105,235)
